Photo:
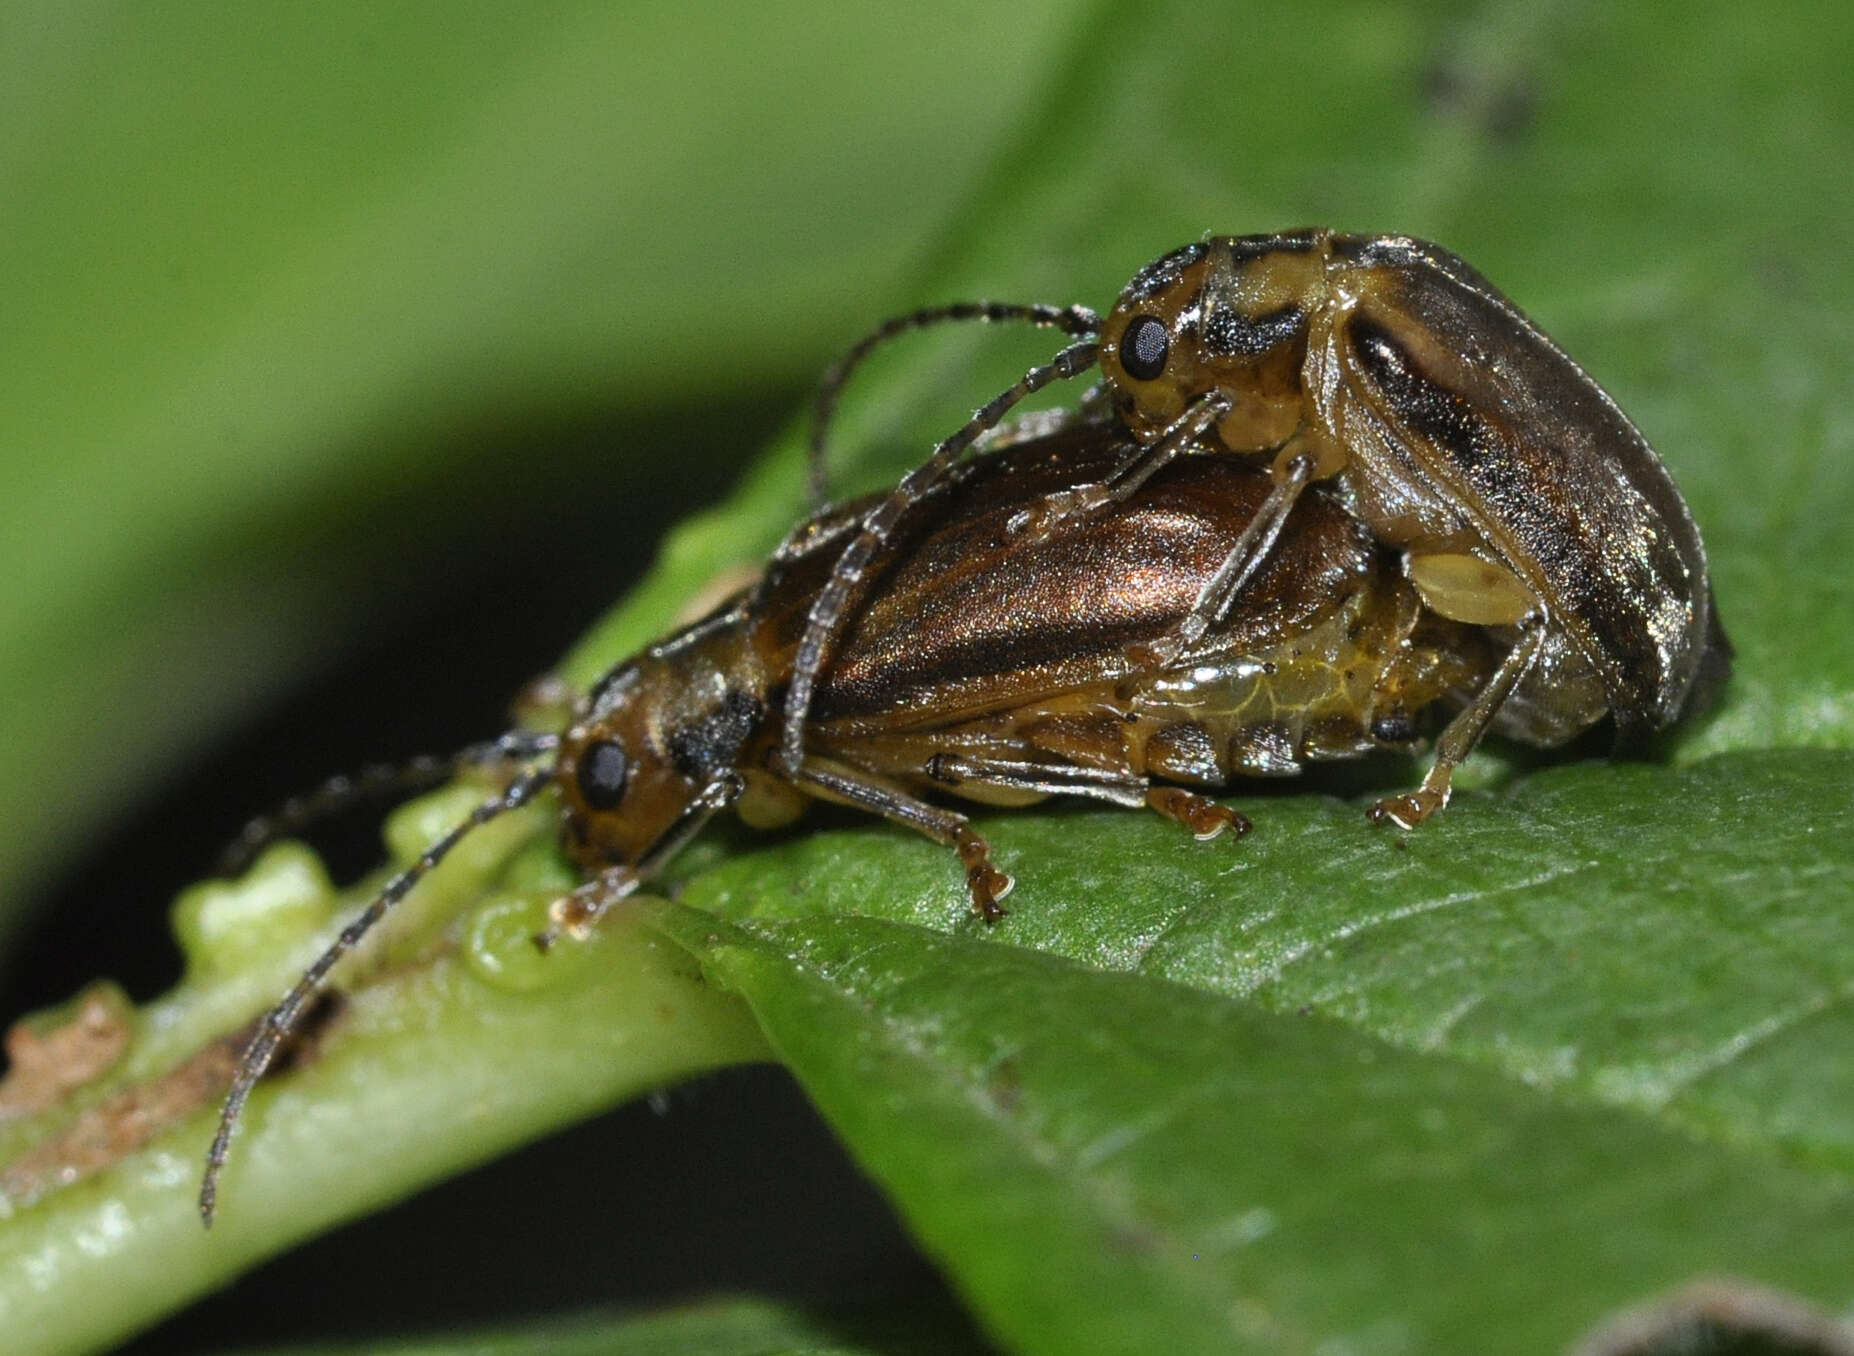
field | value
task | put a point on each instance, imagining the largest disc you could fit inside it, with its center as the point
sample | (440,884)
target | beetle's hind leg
(985,882)
(1203,816)
(1410,808)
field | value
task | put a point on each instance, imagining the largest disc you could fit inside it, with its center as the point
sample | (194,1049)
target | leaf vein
(1289,955)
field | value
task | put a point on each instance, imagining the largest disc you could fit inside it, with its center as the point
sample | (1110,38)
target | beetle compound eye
(1144,347)
(603,768)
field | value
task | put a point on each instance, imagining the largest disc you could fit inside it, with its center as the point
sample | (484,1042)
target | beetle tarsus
(1409,808)
(987,886)
(1052,511)
(1245,558)
(1080,502)
(1203,816)
(1464,732)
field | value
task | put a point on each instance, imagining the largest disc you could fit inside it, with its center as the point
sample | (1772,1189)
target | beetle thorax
(1237,319)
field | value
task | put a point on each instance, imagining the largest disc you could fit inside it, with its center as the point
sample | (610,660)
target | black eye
(602,770)
(1144,346)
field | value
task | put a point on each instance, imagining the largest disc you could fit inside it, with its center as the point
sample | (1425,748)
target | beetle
(994,666)
(1517,491)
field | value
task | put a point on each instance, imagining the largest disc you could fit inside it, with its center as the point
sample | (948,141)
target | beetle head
(1227,316)
(659,735)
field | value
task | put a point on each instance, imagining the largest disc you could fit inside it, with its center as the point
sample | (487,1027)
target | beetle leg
(579,912)
(1200,814)
(1146,461)
(1203,816)
(1239,566)
(1109,784)
(1457,741)
(986,883)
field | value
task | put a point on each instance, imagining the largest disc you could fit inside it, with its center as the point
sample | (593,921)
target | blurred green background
(356,357)
(293,295)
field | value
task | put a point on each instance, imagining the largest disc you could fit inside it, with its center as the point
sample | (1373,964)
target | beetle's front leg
(1410,808)
(577,912)
(987,884)
(1182,435)
(1239,566)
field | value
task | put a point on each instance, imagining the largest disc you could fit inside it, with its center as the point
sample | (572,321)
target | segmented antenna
(833,600)
(278,1024)
(372,782)
(1076,321)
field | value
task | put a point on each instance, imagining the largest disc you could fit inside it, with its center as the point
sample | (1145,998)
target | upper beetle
(1453,427)
(1446,421)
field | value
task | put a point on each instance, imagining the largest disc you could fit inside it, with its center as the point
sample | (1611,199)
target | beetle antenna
(278,1024)
(879,524)
(1076,321)
(372,782)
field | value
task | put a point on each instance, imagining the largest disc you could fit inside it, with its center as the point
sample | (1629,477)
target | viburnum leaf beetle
(1517,491)
(988,664)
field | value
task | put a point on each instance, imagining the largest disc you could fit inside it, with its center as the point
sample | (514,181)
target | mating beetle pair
(1328,483)
(1443,419)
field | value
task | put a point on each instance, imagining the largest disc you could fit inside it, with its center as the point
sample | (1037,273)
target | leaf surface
(1579,1038)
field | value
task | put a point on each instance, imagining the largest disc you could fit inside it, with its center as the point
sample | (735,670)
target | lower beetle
(999,667)
(1516,490)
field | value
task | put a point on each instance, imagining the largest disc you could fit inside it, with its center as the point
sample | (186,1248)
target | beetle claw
(1407,810)
(1043,518)
(988,885)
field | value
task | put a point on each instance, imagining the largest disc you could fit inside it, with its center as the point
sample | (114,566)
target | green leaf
(1109,1161)
(1325,1086)
(1674,941)
(455,1044)
(1653,962)
(1579,1038)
